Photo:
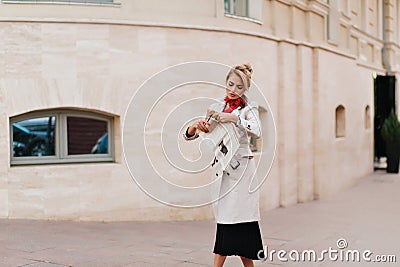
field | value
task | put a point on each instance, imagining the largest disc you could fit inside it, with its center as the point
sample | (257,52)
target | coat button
(216,161)
(227,173)
(216,174)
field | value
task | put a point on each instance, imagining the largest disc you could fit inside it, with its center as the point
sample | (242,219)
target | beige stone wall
(333,167)
(356,26)
(101,68)
(94,58)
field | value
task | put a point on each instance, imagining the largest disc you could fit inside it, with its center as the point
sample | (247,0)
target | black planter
(393,157)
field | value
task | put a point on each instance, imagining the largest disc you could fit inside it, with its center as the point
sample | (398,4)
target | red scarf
(232,104)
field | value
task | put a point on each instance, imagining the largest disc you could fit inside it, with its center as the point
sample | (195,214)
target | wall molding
(181,26)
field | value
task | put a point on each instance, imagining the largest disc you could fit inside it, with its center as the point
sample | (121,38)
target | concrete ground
(366,216)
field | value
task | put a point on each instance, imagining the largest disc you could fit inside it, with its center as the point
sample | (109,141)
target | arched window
(367,118)
(61,136)
(340,121)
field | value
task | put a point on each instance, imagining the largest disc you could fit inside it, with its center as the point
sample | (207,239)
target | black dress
(241,239)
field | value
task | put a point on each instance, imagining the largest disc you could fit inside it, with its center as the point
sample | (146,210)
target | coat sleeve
(190,137)
(187,137)
(251,121)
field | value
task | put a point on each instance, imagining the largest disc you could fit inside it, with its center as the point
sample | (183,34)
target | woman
(237,211)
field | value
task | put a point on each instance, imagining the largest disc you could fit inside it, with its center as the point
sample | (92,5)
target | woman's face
(234,86)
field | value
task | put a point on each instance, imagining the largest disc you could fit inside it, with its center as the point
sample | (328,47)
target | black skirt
(241,239)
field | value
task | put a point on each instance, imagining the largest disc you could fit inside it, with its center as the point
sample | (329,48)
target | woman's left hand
(226,117)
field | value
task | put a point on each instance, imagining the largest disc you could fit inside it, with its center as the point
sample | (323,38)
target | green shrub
(391,128)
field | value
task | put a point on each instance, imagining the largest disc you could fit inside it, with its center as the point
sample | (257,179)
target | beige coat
(237,203)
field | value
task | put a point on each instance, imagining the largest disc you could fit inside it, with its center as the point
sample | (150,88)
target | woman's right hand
(201,125)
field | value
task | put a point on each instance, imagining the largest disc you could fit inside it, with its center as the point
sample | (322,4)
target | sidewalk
(366,215)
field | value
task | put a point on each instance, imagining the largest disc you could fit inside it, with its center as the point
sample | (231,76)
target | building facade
(69,68)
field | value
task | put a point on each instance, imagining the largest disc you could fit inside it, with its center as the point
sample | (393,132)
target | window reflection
(237,7)
(87,136)
(34,137)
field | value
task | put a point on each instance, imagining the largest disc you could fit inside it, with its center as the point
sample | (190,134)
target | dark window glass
(227,6)
(34,137)
(86,136)
(240,8)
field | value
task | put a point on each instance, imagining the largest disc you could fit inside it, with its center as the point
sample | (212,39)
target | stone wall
(97,63)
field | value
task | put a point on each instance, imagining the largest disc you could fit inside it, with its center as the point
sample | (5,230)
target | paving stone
(366,216)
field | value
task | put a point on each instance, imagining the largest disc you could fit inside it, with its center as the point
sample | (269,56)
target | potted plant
(391,135)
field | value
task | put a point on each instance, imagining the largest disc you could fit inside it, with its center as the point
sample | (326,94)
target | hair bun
(246,69)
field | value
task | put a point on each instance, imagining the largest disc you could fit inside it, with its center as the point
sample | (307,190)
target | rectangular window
(244,8)
(237,7)
(61,136)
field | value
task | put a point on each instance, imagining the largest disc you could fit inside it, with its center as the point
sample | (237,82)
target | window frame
(231,12)
(61,138)
(232,9)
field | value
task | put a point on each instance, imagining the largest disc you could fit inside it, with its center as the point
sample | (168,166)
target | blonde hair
(244,71)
